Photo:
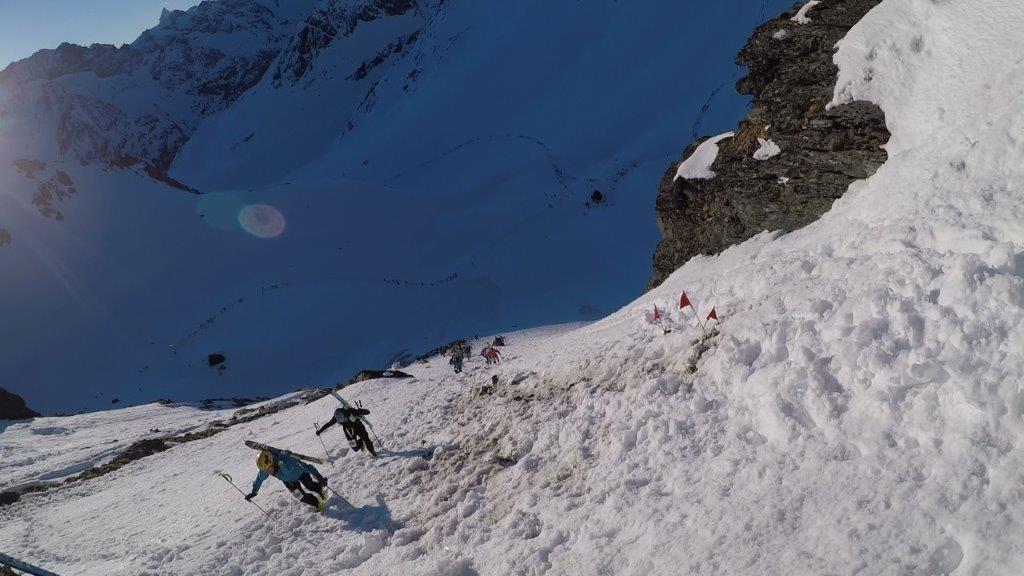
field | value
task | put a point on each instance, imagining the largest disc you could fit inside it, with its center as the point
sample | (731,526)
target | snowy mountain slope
(859,412)
(209,532)
(308,96)
(45,450)
(477,216)
(140,102)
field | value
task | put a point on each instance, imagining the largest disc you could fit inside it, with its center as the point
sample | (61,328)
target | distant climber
(458,352)
(456,361)
(298,477)
(491,354)
(498,341)
(352,425)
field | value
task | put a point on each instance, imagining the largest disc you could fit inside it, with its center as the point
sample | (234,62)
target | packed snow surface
(767,149)
(858,410)
(698,165)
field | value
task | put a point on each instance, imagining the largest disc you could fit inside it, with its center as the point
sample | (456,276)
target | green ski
(258,446)
(363,418)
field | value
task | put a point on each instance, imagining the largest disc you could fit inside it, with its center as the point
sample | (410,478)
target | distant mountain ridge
(141,102)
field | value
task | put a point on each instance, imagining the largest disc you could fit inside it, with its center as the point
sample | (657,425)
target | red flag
(684,301)
(657,315)
(713,315)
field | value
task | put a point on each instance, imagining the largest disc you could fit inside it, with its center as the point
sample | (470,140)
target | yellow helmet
(265,461)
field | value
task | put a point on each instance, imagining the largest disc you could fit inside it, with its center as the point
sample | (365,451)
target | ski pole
(343,499)
(316,426)
(228,478)
(375,437)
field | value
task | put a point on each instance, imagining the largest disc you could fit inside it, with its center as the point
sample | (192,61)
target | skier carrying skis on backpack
(492,354)
(458,355)
(298,477)
(352,424)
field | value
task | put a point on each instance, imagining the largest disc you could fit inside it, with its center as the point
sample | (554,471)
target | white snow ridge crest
(858,409)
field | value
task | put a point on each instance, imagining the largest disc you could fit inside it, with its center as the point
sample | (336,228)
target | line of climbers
(302,479)
(459,351)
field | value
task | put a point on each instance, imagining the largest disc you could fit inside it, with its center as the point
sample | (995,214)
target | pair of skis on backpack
(258,446)
(356,426)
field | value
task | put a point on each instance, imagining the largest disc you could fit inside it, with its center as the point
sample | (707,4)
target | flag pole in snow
(316,427)
(713,316)
(684,301)
(228,478)
(25,567)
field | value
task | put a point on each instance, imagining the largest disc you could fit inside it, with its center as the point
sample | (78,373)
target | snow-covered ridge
(141,102)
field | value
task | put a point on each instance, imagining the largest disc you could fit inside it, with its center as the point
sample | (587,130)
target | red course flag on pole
(684,301)
(713,315)
(657,315)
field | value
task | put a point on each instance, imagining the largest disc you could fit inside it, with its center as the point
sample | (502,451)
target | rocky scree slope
(791,78)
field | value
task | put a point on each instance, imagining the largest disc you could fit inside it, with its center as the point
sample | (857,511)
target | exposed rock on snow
(826,150)
(698,165)
(12,407)
(376,375)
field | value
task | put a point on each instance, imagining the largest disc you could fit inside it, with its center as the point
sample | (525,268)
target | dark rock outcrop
(12,407)
(791,77)
(376,374)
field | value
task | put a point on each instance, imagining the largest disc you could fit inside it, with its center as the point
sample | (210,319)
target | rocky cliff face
(12,407)
(790,158)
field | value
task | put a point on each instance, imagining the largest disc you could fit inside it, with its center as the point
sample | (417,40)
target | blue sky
(30,25)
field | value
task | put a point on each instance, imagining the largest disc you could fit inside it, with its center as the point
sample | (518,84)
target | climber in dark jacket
(352,424)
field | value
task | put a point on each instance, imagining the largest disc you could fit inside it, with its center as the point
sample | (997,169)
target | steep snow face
(308,97)
(434,156)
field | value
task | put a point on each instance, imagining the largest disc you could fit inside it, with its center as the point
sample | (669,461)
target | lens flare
(262,221)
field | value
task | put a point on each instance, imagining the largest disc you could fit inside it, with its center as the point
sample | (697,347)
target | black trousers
(311,484)
(358,437)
